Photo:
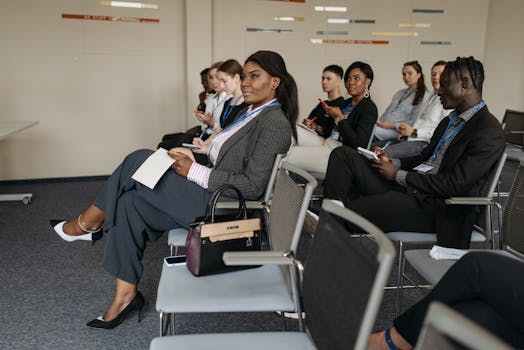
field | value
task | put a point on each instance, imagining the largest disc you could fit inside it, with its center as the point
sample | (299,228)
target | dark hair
(286,93)
(421,87)
(204,71)
(364,67)
(439,63)
(231,67)
(334,69)
(472,66)
(215,65)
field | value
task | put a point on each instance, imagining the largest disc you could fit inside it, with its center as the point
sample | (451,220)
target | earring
(366,93)
(462,92)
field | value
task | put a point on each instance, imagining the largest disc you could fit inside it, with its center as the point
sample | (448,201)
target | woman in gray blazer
(242,155)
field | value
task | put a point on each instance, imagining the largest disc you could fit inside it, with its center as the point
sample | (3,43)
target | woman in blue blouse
(406,103)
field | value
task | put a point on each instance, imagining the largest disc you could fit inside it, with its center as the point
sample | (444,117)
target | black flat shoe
(58,227)
(136,304)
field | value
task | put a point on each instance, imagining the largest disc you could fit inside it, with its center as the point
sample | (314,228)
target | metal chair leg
(284,324)
(399,276)
(172,324)
(161,323)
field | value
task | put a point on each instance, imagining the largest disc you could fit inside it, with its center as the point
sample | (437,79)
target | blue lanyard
(349,108)
(229,108)
(249,114)
(407,93)
(445,137)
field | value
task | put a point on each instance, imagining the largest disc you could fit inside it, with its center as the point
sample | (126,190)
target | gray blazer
(245,160)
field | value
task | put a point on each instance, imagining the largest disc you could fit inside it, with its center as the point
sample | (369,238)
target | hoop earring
(366,93)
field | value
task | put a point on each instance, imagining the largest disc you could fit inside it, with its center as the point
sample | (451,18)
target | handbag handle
(211,206)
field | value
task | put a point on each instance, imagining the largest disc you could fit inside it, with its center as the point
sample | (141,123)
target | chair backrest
(288,207)
(344,280)
(513,125)
(271,183)
(446,329)
(494,177)
(370,138)
(512,232)
(488,190)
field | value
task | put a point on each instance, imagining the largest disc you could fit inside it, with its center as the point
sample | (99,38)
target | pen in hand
(386,145)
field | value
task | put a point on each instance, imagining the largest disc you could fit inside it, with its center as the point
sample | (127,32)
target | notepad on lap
(308,129)
(153,168)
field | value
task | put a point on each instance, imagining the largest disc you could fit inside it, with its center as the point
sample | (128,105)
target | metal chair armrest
(234,205)
(258,258)
(470,200)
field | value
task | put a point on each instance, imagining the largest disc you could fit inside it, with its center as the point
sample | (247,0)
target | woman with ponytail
(406,104)
(241,155)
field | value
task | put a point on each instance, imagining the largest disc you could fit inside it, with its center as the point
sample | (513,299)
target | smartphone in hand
(176,260)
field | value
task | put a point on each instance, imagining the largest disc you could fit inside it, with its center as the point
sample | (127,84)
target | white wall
(504,57)
(463,23)
(102,89)
(99,89)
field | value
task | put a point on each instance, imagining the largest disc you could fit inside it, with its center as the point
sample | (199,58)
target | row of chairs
(276,285)
(511,236)
(282,283)
(482,231)
(262,289)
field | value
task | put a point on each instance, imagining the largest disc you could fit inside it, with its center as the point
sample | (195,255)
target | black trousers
(351,179)
(486,287)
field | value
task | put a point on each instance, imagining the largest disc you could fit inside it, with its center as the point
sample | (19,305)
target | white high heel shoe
(58,227)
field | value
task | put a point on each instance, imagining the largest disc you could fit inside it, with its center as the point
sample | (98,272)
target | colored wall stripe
(288,0)
(110,18)
(332,32)
(428,11)
(268,30)
(435,42)
(349,41)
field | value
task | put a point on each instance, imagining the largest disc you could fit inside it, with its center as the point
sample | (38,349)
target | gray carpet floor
(50,288)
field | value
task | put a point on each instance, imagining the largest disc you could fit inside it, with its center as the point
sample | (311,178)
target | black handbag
(212,235)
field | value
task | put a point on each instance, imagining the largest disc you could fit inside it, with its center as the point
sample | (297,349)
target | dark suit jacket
(356,130)
(246,159)
(465,167)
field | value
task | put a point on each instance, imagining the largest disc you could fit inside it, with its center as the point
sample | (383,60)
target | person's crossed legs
(351,179)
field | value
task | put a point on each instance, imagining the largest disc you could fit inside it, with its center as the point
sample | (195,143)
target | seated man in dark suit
(408,194)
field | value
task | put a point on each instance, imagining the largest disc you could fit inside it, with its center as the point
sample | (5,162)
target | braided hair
(470,65)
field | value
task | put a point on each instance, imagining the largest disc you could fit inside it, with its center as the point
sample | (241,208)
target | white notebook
(367,153)
(153,168)
(308,129)
(442,253)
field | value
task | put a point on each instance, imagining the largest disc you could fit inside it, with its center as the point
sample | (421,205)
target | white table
(8,128)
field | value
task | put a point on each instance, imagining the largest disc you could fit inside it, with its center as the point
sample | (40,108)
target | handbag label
(218,238)
(220,231)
